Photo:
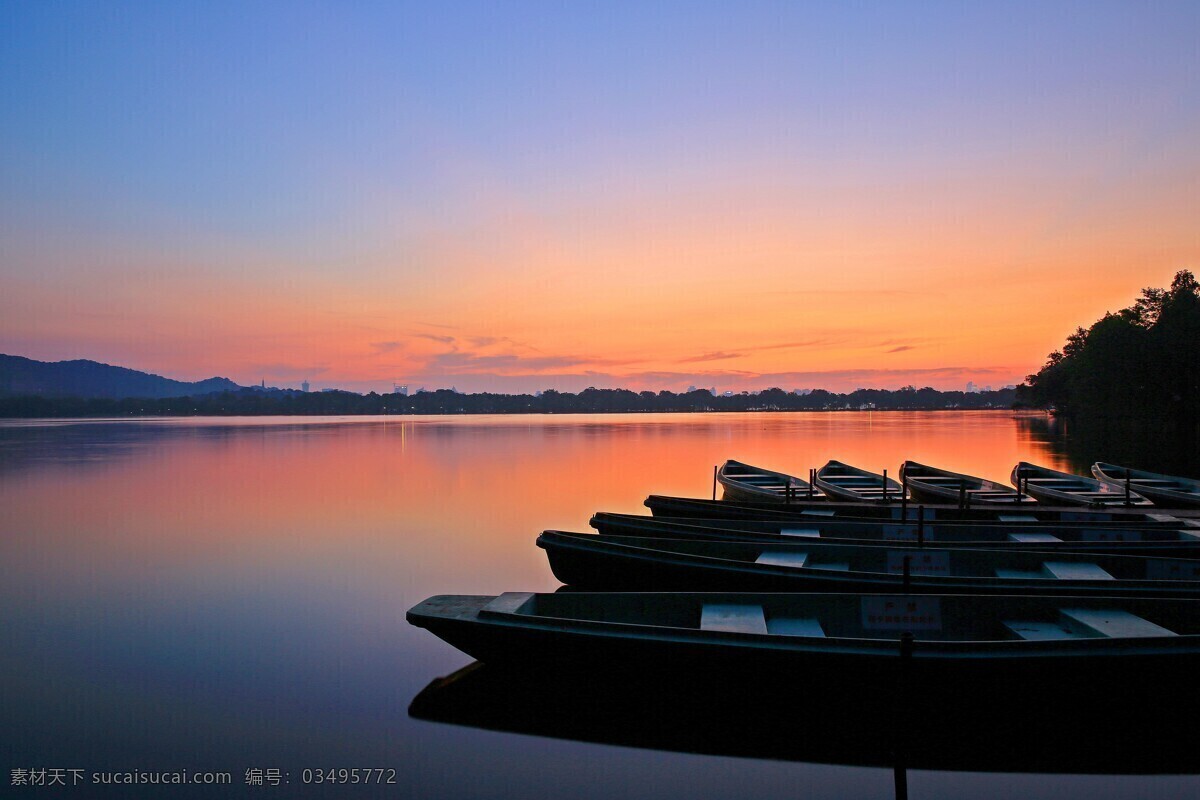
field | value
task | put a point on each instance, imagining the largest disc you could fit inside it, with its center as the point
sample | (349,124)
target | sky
(512,196)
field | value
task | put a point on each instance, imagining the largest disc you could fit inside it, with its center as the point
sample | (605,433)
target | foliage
(1140,363)
(589,401)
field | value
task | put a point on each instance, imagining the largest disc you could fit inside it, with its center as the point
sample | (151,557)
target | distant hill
(24,376)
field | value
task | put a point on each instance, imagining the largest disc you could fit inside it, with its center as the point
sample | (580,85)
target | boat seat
(810,533)
(733,617)
(795,626)
(1033,537)
(1075,571)
(1112,622)
(1018,518)
(1003,572)
(1109,535)
(1040,630)
(782,558)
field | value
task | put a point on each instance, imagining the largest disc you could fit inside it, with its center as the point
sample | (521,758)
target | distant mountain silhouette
(23,376)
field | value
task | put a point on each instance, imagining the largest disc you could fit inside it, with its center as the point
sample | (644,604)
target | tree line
(254,402)
(1138,364)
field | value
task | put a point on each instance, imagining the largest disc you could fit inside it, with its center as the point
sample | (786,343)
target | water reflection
(1136,445)
(229,593)
(1002,729)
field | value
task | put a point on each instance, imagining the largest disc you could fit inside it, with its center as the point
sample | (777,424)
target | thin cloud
(433,337)
(902,348)
(459,362)
(857,293)
(718,356)
(386,347)
(721,355)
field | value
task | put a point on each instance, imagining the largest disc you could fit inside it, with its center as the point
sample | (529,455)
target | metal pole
(714,481)
(901,732)
(1127,500)
(885,486)
(920,526)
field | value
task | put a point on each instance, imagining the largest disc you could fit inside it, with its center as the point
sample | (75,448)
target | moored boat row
(1110,486)
(784,578)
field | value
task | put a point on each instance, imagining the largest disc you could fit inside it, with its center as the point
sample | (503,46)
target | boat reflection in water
(1012,729)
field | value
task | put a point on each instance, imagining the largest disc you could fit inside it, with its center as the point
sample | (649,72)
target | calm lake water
(229,594)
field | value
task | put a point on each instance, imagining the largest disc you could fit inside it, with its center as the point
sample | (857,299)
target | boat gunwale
(865,647)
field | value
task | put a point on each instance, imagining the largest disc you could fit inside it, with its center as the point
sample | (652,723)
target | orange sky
(943,207)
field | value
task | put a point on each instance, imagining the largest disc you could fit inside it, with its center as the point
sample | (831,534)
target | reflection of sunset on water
(464,495)
(237,587)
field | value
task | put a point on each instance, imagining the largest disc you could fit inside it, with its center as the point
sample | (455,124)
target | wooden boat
(843,482)
(1164,490)
(942,643)
(845,723)
(745,482)
(663,506)
(1062,488)
(1171,543)
(603,563)
(932,485)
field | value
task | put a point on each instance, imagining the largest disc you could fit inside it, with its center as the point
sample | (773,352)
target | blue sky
(454,162)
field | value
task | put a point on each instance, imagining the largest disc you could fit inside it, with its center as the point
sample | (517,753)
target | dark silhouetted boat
(932,485)
(1062,488)
(946,643)
(1050,537)
(843,482)
(1164,490)
(663,506)
(745,482)
(594,562)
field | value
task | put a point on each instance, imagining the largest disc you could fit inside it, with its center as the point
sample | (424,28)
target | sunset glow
(518,197)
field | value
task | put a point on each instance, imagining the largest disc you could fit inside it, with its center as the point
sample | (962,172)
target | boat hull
(746,483)
(1167,491)
(590,562)
(1148,542)
(1062,488)
(944,669)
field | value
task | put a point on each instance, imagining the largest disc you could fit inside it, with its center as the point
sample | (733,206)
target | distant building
(691,389)
(304,386)
(727,394)
(400,389)
(971,387)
